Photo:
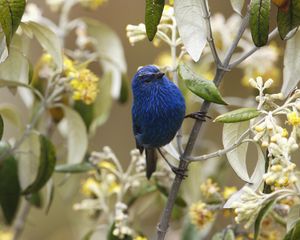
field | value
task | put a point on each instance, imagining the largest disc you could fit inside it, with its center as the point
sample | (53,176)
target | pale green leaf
(153,12)
(203,88)
(10,113)
(28,160)
(48,40)
(3,48)
(288,20)
(47,161)
(110,51)
(294,233)
(237,5)
(76,136)
(259,21)
(239,115)
(236,157)
(191,26)
(293,216)
(261,216)
(74,168)
(11,12)
(291,70)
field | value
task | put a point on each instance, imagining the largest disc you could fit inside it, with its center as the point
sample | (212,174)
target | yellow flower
(228,191)
(46,58)
(114,187)
(200,215)
(293,118)
(107,165)
(6,235)
(208,188)
(140,238)
(273,73)
(69,67)
(89,186)
(171,2)
(92,4)
(85,86)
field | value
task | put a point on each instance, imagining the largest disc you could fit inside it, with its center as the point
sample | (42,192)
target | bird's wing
(137,134)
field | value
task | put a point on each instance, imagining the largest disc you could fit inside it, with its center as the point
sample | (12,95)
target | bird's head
(147,76)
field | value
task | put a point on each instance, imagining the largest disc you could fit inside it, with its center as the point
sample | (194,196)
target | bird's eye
(147,80)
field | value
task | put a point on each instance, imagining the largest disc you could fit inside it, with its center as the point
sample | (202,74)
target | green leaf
(201,87)
(124,94)
(76,136)
(261,215)
(1,127)
(35,199)
(85,111)
(153,13)
(294,233)
(227,234)
(288,20)
(9,185)
(48,40)
(11,12)
(259,21)
(46,165)
(239,115)
(74,168)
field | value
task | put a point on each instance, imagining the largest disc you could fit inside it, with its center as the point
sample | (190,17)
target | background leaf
(294,233)
(288,20)
(3,48)
(191,26)
(9,185)
(76,135)
(153,12)
(237,5)
(203,88)
(293,216)
(46,165)
(9,113)
(110,51)
(236,157)
(11,13)
(48,40)
(259,21)
(291,70)
(74,168)
(239,115)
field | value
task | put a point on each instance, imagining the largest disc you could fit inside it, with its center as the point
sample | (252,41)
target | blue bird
(158,111)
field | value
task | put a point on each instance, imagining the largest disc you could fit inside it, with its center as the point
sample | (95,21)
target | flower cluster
(200,215)
(121,229)
(277,139)
(249,205)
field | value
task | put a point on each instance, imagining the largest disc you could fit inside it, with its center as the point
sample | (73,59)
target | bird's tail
(151,159)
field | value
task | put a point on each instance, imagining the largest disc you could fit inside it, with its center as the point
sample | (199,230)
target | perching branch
(184,162)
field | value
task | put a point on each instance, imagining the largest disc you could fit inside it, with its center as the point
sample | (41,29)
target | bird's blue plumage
(158,108)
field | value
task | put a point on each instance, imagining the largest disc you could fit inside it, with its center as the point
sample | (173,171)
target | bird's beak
(158,75)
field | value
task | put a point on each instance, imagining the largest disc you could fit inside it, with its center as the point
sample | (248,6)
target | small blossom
(209,188)
(90,187)
(200,215)
(92,4)
(85,86)
(228,191)
(140,238)
(293,118)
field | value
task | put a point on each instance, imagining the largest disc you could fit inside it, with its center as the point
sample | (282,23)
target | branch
(183,164)
(210,38)
(21,219)
(253,50)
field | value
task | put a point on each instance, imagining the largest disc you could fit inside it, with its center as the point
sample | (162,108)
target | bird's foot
(201,116)
(179,172)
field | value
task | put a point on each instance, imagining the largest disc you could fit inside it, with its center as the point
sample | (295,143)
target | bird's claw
(179,172)
(201,116)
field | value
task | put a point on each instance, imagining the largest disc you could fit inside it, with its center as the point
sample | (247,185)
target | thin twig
(21,219)
(253,50)
(210,38)
(183,164)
